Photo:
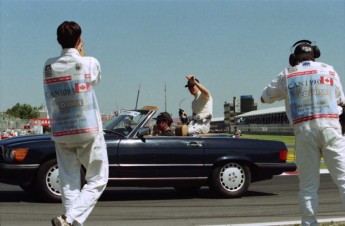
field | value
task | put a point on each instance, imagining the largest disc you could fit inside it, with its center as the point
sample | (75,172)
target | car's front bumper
(18,174)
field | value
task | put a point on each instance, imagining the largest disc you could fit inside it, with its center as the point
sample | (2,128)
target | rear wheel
(231,179)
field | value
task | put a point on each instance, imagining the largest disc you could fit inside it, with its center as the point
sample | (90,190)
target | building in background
(218,125)
(236,107)
(271,121)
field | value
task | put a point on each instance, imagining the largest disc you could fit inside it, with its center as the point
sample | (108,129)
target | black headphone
(293,59)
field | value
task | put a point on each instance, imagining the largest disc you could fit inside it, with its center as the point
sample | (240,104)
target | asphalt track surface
(272,202)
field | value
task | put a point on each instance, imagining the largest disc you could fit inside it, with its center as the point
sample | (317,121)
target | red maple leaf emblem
(82,87)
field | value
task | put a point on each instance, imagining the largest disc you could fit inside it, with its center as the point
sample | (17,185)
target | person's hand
(80,48)
(191,78)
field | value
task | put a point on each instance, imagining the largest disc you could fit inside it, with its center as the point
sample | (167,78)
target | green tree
(24,111)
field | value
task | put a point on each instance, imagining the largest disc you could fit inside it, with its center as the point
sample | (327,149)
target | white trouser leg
(308,166)
(195,128)
(93,156)
(69,174)
(334,156)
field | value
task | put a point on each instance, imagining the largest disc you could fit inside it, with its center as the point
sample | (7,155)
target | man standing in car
(202,107)
(76,125)
(312,93)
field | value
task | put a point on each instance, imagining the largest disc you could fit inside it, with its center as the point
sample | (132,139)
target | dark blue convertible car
(137,158)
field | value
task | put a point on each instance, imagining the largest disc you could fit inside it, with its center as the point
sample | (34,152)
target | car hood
(20,139)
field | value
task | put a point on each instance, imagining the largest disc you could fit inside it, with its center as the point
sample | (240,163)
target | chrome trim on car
(114,165)
(274,164)
(158,178)
(155,165)
(18,166)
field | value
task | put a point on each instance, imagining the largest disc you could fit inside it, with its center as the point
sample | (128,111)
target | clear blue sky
(234,47)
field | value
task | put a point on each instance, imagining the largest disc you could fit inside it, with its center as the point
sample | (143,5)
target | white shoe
(60,221)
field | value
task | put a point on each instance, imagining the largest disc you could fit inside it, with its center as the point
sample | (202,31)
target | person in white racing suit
(313,94)
(76,125)
(202,107)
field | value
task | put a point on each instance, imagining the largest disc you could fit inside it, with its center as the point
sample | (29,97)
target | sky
(234,47)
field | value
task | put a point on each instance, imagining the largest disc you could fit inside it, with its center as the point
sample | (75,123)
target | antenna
(179,105)
(136,103)
(165,92)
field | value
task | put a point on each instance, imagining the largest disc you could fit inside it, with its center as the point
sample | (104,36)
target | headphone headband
(302,41)
(293,59)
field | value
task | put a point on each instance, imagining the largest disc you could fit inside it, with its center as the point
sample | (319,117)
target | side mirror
(142,132)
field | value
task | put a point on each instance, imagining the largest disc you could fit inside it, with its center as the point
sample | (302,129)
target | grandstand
(218,125)
(265,121)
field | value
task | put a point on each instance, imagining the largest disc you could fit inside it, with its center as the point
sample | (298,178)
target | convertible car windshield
(126,122)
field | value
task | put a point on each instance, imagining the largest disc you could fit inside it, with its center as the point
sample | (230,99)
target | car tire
(48,182)
(231,179)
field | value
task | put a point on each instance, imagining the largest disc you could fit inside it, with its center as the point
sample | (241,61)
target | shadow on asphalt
(17,196)
(257,193)
(131,194)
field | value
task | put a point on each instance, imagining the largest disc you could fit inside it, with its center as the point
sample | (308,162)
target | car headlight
(15,154)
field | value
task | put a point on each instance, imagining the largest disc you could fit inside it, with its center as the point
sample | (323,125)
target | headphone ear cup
(317,52)
(292,60)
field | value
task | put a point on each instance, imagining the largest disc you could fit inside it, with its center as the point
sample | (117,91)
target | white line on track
(282,223)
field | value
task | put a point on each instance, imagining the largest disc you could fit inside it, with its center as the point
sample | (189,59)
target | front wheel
(48,182)
(231,180)
(48,185)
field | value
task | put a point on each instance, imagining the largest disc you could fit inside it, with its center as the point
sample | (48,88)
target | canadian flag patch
(326,80)
(82,87)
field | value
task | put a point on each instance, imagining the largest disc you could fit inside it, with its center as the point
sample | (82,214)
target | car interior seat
(181,130)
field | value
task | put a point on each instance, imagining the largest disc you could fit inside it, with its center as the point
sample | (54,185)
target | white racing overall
(76,130)
(312,91)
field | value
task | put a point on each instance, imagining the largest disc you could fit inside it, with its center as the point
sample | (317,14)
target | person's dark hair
(164,120)
(68,34)
(165,116)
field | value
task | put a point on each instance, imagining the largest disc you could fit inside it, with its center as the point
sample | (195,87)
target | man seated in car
(163,124)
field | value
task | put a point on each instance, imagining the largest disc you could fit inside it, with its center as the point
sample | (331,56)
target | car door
(160,156)
(112,148)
